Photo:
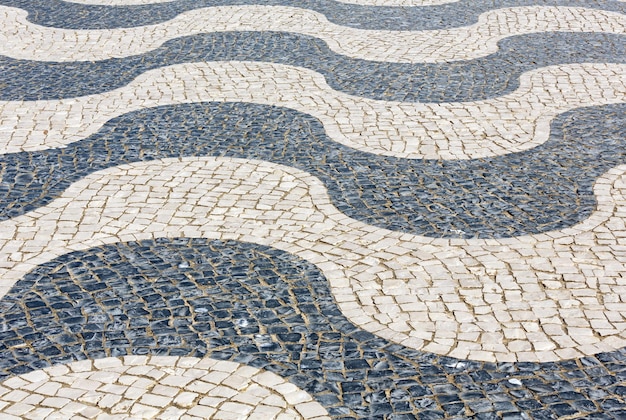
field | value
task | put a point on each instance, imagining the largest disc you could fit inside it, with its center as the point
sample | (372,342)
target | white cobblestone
(147,404)
(405,3)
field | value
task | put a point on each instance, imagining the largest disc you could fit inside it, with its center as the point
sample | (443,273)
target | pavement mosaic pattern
(324,210)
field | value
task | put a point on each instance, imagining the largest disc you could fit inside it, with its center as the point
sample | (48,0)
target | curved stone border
(118,2)
(397,3)
(460,130)
(531,298)
(155,387)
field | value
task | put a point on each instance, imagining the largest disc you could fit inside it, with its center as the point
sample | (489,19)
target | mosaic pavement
(332,209)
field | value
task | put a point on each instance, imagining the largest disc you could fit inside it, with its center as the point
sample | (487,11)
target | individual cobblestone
(263,308)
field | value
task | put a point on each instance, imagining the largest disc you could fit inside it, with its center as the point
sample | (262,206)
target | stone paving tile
(511,123)
(23,40)
(71,15)
(237,219)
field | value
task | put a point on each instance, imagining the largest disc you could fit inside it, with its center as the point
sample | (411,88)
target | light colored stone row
(460,130)
(118,2)
(530,298)
(399,3)
(24,40)
(157,387)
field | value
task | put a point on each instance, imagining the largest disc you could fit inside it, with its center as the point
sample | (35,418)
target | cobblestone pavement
(355,209)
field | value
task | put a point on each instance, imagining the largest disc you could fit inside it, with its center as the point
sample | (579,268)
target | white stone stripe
(24,40)
(118,2)
(399,3)
(164,387)
(461,130)
(530,298)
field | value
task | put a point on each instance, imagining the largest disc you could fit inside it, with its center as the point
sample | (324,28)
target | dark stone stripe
(472,80)
(271,310)
(547,188)
(77,16)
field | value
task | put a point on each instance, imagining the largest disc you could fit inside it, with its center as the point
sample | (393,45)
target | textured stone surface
(156,387)
(462,13)
(511,123)
(22,39)
(472,80)
(331,209)
(539,297)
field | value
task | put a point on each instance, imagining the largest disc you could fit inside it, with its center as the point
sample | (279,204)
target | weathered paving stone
(546,188)
(265,308)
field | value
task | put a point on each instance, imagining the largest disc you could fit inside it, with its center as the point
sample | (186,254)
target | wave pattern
(495,197)
(478,79)
(452,131)
(24,40)
(58,13)
(425,224)
(279,206)
(408,3)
